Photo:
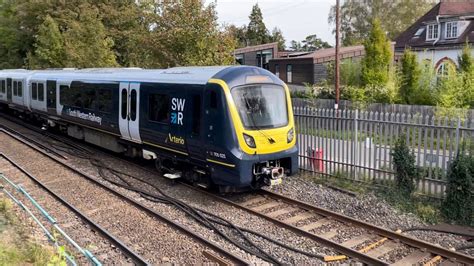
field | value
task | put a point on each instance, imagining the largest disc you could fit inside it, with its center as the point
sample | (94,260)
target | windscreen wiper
(270,139)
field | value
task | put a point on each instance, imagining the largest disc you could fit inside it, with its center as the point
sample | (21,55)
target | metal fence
(357,144)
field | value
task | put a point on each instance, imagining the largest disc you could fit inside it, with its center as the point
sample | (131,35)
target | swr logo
(177,105)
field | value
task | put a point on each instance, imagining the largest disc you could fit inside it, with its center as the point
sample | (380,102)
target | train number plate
(274,182)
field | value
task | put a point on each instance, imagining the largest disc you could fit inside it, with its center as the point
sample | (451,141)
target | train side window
(133,105)
(3,86)
(213,100)
(196,115)
(20,89)
(40,91)
(159,108)
(124,103)
(104,100)
(34,91)
(88,96)
(15,88)
(63,99)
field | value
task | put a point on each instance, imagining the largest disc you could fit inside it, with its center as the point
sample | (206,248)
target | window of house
(445,66)
(239,58)
(289,73)
(34,91)
(451,30)
(159,108)
(40,92)
(277,70)
(432,32)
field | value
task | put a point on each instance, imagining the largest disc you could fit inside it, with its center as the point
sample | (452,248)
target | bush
(406,172)
(459,202)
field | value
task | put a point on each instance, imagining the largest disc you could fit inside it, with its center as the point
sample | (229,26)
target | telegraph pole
(338,29)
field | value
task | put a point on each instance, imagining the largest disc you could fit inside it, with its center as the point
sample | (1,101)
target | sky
(296,18)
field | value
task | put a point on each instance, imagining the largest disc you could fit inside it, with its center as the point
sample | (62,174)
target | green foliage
(310,43)
(466,62)
(423,94)
(257,32)
(378,57)
(396,16)
(410,75)
(277,36)
(459,202)
(105,33)
(404,164)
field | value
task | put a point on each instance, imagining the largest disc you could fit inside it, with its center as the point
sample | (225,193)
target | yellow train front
(252,139)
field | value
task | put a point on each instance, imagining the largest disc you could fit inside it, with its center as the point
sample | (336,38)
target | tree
(313,43)
(466,63)
(186,33)
(277,36)
(396,16)
(295,45)
(257,32)
(410,72)
(378,57)
(49,46)
(85,40)
(240,34)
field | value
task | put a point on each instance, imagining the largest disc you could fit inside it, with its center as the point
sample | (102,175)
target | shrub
(459,202)
(406,173)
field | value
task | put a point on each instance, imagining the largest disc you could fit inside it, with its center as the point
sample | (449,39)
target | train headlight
(250,141)
(290,136)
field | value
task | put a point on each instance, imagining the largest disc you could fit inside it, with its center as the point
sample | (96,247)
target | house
(438,37)
(294,68)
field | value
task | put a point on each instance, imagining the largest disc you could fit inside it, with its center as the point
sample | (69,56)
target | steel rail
(129,252)
(437,250)
(135,203)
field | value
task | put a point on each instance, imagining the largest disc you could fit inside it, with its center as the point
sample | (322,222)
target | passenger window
(3,86)
(133,105)
(15,88)
(213,100)
(40,91)
(104,99)
(63,99)
(124,103)
(88,97)
(159,108)
(20,89)
(34,91)
(196,115)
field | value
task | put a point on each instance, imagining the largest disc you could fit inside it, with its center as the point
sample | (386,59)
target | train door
(129,111)
(212,115)
(194,129)
(51,96)
(9,89)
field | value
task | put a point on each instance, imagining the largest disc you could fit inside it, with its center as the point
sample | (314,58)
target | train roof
(183,75)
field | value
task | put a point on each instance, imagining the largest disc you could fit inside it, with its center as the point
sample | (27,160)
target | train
(228,127)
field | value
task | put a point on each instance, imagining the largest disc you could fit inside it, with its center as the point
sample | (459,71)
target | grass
(15,246)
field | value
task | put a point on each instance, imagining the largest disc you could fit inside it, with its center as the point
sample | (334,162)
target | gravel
(152,239)
(367,207)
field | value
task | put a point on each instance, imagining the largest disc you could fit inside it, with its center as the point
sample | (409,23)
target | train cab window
(213,100)
(196,115)
(15,88)
(159,108)
(40,92)
(34,91)
(133,105)
(124,103)
(20,89)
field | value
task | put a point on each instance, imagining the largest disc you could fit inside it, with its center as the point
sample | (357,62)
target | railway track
(113,240)
(86,188)
(312,222)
